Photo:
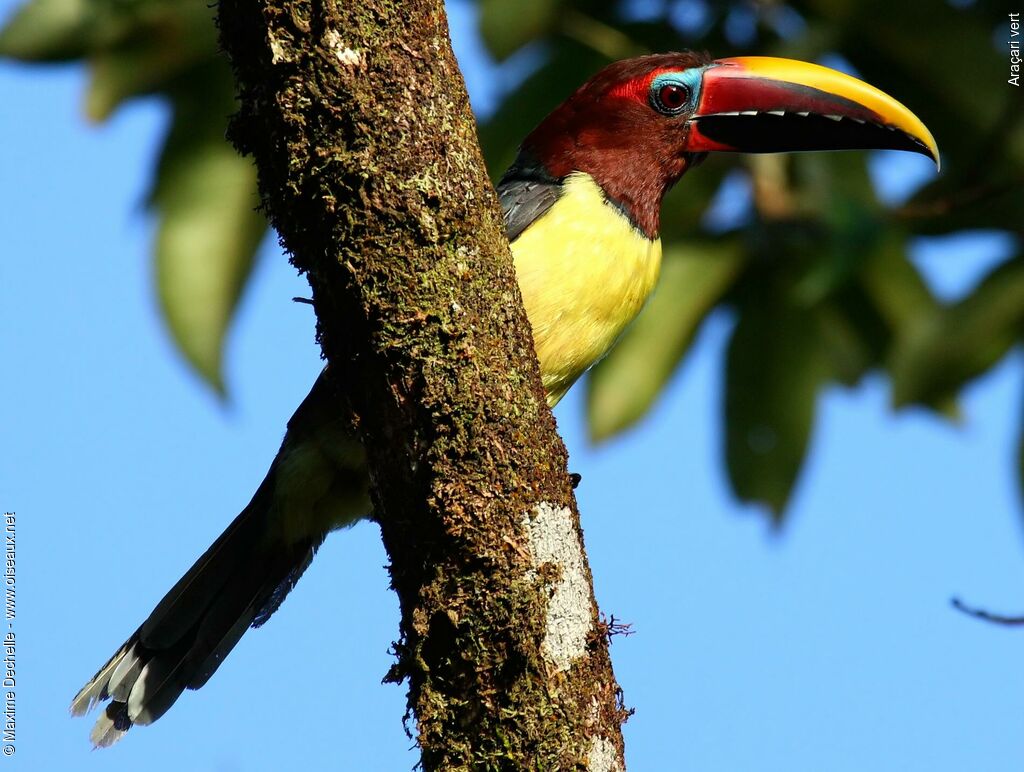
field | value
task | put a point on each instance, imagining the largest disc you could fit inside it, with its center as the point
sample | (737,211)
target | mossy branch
(357,117)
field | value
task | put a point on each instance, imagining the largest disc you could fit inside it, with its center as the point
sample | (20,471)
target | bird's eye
(670,99)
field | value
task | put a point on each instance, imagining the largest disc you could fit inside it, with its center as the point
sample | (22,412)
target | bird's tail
(237,583)
(318,482)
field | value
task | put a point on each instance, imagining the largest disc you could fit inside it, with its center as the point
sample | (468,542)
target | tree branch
(986,616)
(369,167)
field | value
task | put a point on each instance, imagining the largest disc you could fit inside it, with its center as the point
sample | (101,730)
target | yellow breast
(585,273)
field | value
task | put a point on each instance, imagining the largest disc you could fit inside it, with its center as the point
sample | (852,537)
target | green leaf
(685,205)
(962,341)
(892,303)
(953,203)
(50,30)
(506,27)
(896,288)
(622,387)
(121,73)
(205,199)
(161,43)
(775,365)
(850,349)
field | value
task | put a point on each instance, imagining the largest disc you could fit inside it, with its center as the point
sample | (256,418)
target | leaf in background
(160,41)
(203,194)
(951,204)
(775,365)
(685,205)
(132,47)
(962,341)
(850,349)
(51,30)
(899,300)
(506,27)
(898,292)
(205,198)
(836,190)
(622,387)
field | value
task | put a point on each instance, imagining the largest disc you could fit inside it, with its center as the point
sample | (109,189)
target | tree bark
(369,168)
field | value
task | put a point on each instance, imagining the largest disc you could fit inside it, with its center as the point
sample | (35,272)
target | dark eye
(670,99)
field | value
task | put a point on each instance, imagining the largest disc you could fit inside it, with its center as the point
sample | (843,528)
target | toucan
(581,205)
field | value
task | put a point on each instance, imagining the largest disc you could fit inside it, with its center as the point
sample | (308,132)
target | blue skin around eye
(690,79)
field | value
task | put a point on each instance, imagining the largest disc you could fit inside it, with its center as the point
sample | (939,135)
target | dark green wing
(526,192)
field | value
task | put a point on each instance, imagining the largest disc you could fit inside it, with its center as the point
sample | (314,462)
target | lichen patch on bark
(603,756)
(554,541)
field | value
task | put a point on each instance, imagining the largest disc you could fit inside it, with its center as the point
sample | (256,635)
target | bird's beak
(759,104)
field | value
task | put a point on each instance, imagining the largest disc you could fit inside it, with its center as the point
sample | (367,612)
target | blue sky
(828,646)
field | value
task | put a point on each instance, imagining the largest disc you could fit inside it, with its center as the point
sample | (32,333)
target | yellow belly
(585,273)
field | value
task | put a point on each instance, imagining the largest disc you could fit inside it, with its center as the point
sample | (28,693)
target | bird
(581,204)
